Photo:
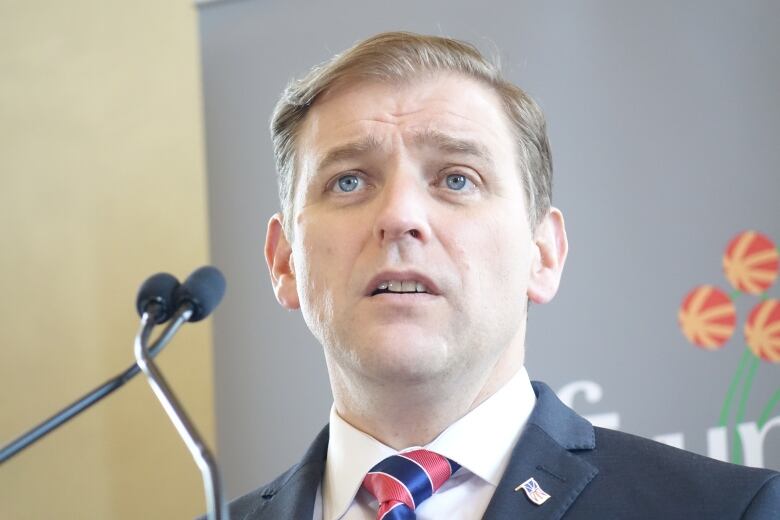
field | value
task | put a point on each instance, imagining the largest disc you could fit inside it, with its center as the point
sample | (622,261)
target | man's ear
(551,247)
(278,256)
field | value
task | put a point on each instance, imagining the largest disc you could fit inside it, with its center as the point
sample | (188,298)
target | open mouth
(400,287)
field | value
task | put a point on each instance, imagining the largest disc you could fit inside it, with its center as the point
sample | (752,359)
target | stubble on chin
(392,364)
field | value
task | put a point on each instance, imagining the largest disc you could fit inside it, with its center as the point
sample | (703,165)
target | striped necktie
(401,482)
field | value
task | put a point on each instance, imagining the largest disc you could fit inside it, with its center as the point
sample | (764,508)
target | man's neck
(405,415)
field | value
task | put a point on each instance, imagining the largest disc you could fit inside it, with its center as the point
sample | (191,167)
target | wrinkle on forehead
(393,107)
(425,137)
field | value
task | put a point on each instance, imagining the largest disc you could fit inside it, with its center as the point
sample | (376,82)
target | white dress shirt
(481,442)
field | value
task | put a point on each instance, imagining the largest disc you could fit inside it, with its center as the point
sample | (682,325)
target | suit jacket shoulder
(292,494)
(647,479)
(595,473)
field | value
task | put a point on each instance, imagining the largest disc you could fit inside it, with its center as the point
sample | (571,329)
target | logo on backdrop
(708,319)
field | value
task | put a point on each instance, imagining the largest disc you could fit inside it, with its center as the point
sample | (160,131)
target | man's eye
(347,183)
(456,181)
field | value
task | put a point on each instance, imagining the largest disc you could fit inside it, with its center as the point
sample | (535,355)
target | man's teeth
(399,286)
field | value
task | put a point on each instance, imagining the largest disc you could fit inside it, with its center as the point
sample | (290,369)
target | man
(416,227)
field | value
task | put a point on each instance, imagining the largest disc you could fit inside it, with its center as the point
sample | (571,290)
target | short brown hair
(399,56)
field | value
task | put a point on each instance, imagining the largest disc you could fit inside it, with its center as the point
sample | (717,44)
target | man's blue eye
(456,181)
(348,182)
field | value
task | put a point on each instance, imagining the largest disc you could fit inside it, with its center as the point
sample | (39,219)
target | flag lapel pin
(533,491)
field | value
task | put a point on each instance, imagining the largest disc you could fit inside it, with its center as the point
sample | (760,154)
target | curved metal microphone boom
(195,299)
(159,299)
(158,290)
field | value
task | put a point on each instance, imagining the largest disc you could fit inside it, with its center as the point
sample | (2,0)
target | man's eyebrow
(451,144)
(366,144)
(428,137)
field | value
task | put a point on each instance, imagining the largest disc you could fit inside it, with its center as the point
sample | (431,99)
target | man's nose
(403,209)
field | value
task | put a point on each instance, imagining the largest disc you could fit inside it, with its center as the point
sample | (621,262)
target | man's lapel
(291,496)
(544,454)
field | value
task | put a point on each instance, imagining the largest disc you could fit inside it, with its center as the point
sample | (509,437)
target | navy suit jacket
(589,473)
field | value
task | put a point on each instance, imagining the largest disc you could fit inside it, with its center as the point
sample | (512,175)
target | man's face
(411,256)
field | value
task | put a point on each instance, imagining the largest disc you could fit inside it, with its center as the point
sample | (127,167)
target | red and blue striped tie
(401,482)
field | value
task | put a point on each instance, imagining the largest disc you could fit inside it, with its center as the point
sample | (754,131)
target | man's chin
(396,361)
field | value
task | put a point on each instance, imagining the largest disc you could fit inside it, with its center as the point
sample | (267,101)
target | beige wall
(101,184)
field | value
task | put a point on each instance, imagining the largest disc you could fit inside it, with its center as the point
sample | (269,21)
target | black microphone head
(203,289)
(160,289)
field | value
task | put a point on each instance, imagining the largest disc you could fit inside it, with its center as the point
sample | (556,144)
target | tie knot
(401,482)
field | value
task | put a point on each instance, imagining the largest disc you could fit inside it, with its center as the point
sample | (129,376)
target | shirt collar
(481,442)
(351,454)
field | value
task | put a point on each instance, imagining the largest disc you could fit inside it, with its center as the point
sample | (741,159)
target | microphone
(157,295)
(195,299)
(158,289)
(202,290)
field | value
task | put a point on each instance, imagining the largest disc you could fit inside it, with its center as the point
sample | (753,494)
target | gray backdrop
(664,121)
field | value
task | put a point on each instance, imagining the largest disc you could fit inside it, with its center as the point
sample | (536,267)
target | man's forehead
(449,111)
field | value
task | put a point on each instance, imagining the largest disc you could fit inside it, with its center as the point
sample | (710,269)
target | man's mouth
(399,286)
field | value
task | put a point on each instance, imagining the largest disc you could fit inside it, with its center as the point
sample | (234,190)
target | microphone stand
(78,406)
(203,458)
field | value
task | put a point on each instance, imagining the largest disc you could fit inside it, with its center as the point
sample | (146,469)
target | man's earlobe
(278,256)
(552,247)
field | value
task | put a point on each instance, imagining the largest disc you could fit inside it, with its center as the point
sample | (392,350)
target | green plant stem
(768,408)
(736,445)
(726,409)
